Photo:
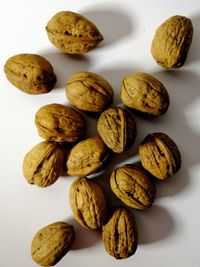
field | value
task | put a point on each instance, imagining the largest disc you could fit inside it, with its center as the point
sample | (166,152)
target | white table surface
(169,232)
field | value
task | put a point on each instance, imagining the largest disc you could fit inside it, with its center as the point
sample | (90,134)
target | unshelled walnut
(56,122)
(51,243)
(117,128)
(160,155)
(172,41)
(43,163)
(132,185)
(144,93)
(73,33)
(88,203)
(30,73)
(89,92)
(87,157)
(119,234)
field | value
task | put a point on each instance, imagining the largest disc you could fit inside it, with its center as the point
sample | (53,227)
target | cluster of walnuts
(59,125)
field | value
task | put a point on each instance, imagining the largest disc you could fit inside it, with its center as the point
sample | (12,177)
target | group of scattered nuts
(59,124)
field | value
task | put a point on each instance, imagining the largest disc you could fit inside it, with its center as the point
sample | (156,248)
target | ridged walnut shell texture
(133,187)
(160,155)
(56,122)
(89,92)
(117,128)
(30,73)
(43,163)
(172,41)
(51,243)
(88,203)
(87,157)
(72,33)
(120,235)
(144,93)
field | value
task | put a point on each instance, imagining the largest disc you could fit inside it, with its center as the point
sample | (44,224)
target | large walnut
(56,122)
(89,92)
(172,41)
(73,33)
(117,128)
(160,155)
(43,163)
(132,185)
(88,203)
(145,94)
(119,234)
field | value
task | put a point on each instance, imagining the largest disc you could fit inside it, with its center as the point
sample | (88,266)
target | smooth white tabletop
(169,231)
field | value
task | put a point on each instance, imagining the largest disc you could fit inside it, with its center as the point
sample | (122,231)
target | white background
(169,232)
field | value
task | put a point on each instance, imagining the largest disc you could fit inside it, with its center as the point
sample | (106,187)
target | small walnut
(42,164)
(87,157)
(172,41)
(88,203)
(117,128)
(30,73)
(144,93)
(89,92)
(120,235)
(56,122)
(133,187)
(73,33)
(160,155)
(51,243)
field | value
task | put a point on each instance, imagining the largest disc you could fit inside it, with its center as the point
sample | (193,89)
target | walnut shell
(117,128)
(87,157)
(144,93)
(73,33)
(133,187)
(120,235)
(172,41)
(89,92)
(42,164)
(51,243)
(160,155)
(88,203)
(30,73)
(56,122)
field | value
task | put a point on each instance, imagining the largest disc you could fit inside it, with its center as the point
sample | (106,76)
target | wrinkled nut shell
(172,41)
(88,203)
(87,157)
(89,92)
(51,243)
(73,33)
(42,164)
(56,122)
(133,187)
(160,155)
(117,128)
(30,73)
(120,235)
(144,93)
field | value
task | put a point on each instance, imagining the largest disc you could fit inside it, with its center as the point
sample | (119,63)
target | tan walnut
(117,128)
(56,122)
(87,157)
(89,92)
(30,73)
(88,203)
(51,243)
(73,33)
(145,94)
(172,41)
(160,155)
(119,234)
(132,185)
(42,164)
